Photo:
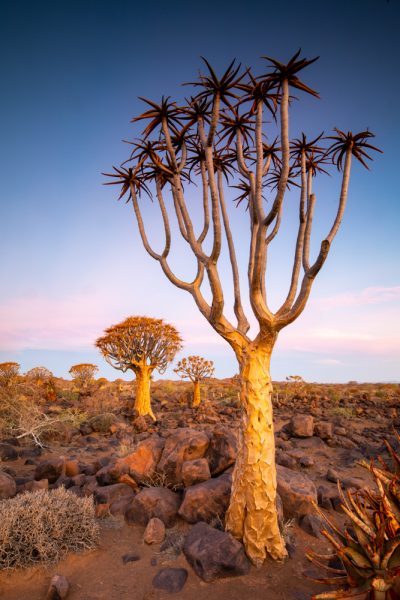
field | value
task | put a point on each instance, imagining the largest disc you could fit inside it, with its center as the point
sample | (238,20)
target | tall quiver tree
(219,137)
(140,344)
(196,369)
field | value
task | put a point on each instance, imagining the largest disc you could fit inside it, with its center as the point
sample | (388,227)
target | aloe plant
(369,549)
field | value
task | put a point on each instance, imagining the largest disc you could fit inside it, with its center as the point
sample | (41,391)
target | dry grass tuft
(42,527)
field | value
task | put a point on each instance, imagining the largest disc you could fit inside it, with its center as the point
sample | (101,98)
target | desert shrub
(22,417)
(43,526)
(102,423)
(68,396)
(8,373)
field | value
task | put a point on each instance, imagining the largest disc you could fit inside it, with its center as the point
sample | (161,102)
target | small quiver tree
(196,369)
(223,138)
(39,375)
(83,374)
(140,344)
(9,372)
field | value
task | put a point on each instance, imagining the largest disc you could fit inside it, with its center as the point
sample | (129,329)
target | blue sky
(72,262)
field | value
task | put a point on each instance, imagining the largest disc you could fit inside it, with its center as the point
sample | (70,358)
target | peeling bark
(252,515)
(142,399)
(196,393)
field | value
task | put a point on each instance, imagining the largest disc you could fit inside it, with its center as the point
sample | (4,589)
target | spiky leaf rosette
(138,342)
(369,550)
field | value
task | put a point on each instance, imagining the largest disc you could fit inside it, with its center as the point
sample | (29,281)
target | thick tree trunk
(252,515)
(196,394)
(142,399)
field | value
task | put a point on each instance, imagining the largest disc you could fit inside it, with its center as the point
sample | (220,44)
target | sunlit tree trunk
(252,515)
(142,400)
(196,393)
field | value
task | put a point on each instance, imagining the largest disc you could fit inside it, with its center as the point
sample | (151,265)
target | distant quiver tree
(9,372)
(224,136)
(196,369)
(39,375)
(83,373)
(140,344)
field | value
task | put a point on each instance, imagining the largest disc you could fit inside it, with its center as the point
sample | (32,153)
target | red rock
(59,588)
(213,554)
(182,445)
(154,532)
(302,426)
(110,493)
(195,471)
(50,469)
(142,462)
(297,492)
(206,501)
(72,468)
(154,502)
(222,451)
(8,487)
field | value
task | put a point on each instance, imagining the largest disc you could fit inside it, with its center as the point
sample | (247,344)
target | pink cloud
(367,296)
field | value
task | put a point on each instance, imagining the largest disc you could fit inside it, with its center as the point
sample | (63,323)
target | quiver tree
(235,133)
(83,373)
(196,369)
(9,372)
(39,375)
(140,344)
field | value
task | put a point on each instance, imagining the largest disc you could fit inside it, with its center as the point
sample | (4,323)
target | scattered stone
(324,430)
(154,532)
(132,557)
(195,471)
(297,492)
(111,473)
(50,469)
(142,462)
(332,475)
(8,487)
(182,445)
(111,493)
(102,511)
(302,426)
(170,580)
(213,554)
(307,462)
(72,468)
(59,588)
(141,424)
(340,431)
(158,502)
(312,524)
(222,450)
(7,452)
(285,460)
(129,481)
(324,497)
(206,501)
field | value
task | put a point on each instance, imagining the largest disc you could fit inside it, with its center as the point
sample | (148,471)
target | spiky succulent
(369,549)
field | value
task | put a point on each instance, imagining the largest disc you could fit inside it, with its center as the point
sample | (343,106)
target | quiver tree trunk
(142,399)
(252,515)
(196,394)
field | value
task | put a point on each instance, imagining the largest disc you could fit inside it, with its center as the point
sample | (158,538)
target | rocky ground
(161,490)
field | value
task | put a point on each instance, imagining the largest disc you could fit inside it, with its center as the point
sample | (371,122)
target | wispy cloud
(328,361)
(367,296)
(74,322)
